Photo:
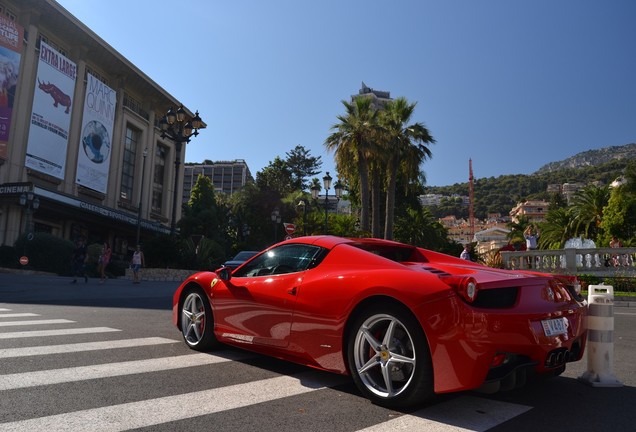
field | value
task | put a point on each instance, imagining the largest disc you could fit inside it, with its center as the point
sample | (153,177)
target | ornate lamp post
(302,205)
(175,126)
(141,190)
(315,191)
(32,203)
(275,220)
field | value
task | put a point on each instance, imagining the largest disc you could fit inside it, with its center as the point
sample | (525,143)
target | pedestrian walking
(136,263)
(102,263)
(78,260)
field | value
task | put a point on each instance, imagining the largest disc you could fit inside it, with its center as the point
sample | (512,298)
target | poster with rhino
(51,113)
(93,159)
(11,37)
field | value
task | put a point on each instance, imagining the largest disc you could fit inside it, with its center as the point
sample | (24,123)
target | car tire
(197,322)
(389,358)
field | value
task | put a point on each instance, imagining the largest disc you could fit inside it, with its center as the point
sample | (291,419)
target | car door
(256,305)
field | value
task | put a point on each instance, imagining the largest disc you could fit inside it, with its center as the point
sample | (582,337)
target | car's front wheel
(197,323)
(389,358)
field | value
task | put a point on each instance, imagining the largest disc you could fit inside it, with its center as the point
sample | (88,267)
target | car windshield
(244,255)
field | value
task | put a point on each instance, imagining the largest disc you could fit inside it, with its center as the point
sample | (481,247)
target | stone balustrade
(607,261)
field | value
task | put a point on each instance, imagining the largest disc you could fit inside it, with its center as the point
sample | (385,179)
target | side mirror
(224,273)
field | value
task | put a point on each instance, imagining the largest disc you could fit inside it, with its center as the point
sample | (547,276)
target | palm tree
(556,229)
(352,142)
(517,228)
(405,150)
(587,209)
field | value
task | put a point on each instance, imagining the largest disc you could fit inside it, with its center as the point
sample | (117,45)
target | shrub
(46,252)
(9,257)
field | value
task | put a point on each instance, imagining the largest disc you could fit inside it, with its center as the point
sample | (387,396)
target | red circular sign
(24,260)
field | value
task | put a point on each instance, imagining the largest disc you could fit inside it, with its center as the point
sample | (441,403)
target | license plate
(554,327)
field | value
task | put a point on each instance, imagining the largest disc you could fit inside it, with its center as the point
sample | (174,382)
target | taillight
(466,287)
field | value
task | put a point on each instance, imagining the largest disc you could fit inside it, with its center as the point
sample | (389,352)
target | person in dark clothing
(78,260)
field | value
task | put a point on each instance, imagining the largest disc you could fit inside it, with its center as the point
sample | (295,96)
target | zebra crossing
(464,413)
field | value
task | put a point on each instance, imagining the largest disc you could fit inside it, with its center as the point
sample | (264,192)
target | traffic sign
(290,228)
(24,260)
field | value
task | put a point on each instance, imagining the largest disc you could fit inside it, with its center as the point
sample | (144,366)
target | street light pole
(32,203)
(275,220)
(175,126)
(315,191)
(141,190)
(303,204)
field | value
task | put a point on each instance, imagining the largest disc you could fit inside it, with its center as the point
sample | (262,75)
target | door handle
(292,291)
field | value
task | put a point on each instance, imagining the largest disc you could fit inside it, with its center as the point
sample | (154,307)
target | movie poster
(95,144)
(11,37)
(51,115)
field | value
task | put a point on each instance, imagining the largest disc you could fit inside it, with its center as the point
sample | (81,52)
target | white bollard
(600,337)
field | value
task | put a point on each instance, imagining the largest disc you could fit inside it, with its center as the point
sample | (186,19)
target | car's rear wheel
(389,358)
(197,323)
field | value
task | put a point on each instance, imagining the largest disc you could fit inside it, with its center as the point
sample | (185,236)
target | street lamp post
(32,203)
(175,126)
(275,220)
(303,205)
(141,190)
(315,191)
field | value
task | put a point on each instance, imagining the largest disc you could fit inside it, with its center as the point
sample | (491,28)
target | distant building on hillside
(492,238)
(535,211)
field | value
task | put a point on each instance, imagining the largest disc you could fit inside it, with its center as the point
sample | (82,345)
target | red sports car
(403,321)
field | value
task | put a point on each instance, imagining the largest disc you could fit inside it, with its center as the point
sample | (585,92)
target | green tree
(556,229)
(405,150)
(301,166)
(352,142)
(587,210)
(517,228)
(203,216)
(619,216)
(418,226)
(277,176)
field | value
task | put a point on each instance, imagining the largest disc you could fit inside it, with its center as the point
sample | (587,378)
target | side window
(284,259)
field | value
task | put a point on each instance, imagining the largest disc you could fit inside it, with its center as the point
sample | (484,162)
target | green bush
(46,253)
(622,284)
(9,257)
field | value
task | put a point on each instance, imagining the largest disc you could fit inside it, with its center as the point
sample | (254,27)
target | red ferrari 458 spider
(403,321)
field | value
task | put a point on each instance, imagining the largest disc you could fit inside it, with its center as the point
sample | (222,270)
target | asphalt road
(76,357)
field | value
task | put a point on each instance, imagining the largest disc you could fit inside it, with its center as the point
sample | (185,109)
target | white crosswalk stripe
(17,315)
(60,332)
(57,376)
(38,322)
(81,347)
(461,414)
(467,414)
(162,410)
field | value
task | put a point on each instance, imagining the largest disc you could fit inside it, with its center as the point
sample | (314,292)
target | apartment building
(227,177)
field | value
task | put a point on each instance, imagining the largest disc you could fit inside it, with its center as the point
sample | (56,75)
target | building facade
(79,132)
(227,177)
(535,211)
(379,98)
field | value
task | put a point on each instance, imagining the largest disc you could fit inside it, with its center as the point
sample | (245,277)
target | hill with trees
(500,194)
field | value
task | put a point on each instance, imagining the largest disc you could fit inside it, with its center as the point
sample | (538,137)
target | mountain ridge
(591,158)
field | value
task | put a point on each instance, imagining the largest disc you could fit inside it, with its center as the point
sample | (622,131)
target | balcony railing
(594,261)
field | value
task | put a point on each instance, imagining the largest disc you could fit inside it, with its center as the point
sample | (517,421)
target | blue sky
(510,84)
